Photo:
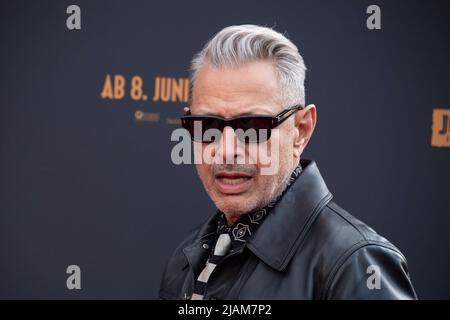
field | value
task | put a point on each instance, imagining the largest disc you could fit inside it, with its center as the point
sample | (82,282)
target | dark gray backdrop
(83,183)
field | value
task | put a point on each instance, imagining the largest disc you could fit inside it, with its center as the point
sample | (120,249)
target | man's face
(251,89)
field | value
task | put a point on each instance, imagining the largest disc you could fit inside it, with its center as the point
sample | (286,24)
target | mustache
(247,169)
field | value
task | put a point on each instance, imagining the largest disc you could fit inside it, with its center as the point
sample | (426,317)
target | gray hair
(237,45)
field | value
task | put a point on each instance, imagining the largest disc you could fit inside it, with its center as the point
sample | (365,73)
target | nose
(228,149)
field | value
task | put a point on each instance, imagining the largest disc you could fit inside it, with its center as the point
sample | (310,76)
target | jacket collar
(283,230)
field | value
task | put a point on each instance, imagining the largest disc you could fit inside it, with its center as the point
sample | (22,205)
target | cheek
(281,153)
(276,150)
(287,149)
(262,187)
(198,152)
(287,143)
(251,153)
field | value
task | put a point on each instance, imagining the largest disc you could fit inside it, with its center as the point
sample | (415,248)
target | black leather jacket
(307,248)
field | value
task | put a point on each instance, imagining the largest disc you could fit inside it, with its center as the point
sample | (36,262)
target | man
(276,235)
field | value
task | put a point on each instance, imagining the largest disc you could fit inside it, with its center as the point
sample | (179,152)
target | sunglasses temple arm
(281,118)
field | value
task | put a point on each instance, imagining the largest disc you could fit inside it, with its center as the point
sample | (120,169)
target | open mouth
(233,182)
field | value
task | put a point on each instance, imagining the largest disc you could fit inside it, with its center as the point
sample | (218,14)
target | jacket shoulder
(354,251)
(355,230)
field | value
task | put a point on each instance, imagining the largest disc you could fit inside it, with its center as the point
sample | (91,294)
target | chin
(237,206)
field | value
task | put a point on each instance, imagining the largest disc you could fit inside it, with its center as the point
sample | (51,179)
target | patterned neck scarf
(234,237)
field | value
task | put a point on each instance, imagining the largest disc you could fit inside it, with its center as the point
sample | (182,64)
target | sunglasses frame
(276,119)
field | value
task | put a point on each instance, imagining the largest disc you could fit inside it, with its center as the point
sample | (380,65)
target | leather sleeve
(370,272)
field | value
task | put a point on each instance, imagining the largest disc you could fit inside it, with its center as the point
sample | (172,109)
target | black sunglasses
(248,128)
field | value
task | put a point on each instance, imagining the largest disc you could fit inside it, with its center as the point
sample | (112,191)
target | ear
(305,122)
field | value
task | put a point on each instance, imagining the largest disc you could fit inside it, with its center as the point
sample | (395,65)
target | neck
(232,218)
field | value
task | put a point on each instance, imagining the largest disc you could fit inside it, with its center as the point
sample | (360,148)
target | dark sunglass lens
(202,129)
(253,129)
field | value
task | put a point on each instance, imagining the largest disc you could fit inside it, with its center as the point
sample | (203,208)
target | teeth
(233,181)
